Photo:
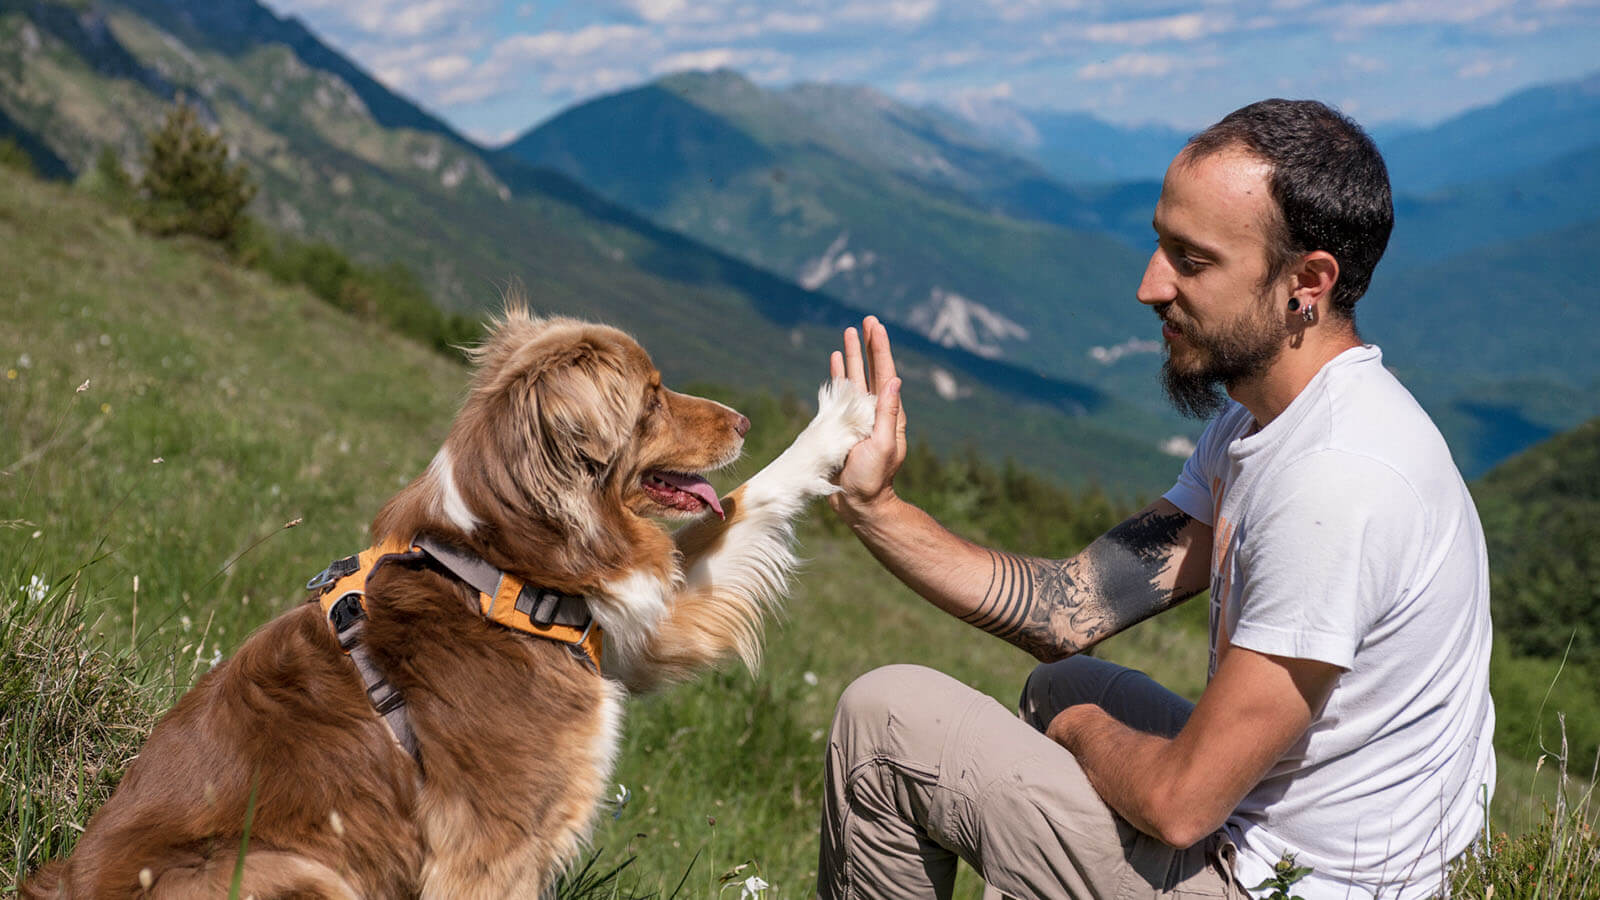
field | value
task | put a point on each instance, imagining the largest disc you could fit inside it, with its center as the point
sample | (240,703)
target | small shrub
(13,157)
(189,187)
(108,180)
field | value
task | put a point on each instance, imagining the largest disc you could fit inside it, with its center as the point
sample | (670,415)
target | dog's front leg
(737,568)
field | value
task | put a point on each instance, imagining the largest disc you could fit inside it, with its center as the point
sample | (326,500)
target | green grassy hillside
(163,416)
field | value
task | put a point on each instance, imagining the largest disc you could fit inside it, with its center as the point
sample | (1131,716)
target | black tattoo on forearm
(1053,608)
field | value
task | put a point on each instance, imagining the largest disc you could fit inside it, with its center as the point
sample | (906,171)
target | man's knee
(1052,687)
(894,708)
(875,696)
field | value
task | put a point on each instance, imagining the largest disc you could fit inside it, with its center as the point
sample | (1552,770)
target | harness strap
(349,621)
(503,598)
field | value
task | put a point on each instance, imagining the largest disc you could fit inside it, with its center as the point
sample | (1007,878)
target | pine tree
(189,187)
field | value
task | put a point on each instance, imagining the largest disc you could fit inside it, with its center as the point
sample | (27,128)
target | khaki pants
(922,769)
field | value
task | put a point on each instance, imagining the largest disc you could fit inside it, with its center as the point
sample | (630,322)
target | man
(1346,719)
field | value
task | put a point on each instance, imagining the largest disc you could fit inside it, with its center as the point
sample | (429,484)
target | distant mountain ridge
(849,192)
(339,158)
(1524,130)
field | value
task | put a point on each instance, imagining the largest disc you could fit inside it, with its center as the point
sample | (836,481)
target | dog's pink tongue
(694,484)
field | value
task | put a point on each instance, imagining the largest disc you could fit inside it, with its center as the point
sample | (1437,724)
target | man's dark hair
(1328,180)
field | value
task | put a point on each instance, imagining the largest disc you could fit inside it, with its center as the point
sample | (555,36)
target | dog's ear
(580,405)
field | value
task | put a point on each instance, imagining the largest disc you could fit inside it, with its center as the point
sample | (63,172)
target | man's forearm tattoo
(1053,608)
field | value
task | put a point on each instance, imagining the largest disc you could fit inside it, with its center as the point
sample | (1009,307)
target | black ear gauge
(1294,303)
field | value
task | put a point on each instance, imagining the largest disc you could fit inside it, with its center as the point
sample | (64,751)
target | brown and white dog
(566,449)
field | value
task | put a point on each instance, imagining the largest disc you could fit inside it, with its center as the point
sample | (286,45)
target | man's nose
(1157,286)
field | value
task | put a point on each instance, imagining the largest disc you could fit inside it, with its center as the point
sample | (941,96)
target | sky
(494,68)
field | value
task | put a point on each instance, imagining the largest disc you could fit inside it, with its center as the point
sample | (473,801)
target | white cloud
(1138,32)
(658,10)
(718,58)
(1144,65)
(1485,66)
(1355,62)
(552,45)
(444,68)
(793,23)
(897,13)
(1417,12)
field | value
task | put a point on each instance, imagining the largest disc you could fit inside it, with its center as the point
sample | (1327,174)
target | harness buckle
(345,613)
(336,570)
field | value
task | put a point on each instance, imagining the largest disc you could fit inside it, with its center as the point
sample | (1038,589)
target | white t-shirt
(1342,532)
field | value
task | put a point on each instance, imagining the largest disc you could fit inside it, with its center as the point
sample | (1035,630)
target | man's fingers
(886,421)
(836,364)
(882,356)
(854,367)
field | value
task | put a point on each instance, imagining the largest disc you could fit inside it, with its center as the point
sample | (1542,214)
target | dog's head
(568,426)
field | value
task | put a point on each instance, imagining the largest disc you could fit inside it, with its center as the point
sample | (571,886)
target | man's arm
(1181,789)
(1050,608)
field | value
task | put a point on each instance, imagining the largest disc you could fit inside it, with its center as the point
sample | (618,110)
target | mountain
(1076,147)
(1550,195)
(1526,129)
(338,158)
(889,208)
(1496,341)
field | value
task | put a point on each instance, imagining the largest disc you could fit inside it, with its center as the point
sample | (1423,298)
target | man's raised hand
(868,474)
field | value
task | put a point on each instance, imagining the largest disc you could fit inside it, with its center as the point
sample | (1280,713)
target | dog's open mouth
(676,490)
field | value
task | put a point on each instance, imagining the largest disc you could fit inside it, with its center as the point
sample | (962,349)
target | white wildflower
(216,657)
(620,800)
(810,678)
(752,887)
(36,588)
(186,622)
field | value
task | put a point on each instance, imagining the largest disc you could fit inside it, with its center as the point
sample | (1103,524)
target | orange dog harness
(503,598)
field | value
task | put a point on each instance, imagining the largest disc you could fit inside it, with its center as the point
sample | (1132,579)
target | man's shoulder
(1365,411)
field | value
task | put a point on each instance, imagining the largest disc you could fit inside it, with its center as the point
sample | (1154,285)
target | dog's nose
(742,425)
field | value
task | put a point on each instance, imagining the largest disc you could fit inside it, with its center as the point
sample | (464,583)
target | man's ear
(1314,278)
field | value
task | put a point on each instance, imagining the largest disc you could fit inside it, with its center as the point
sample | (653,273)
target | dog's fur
(540,476)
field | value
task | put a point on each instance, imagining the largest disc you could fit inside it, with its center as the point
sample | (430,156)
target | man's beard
(1242,350)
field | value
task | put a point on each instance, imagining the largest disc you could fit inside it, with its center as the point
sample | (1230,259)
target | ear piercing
(1308,313)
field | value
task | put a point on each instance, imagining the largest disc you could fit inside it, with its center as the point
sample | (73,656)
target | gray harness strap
(348,618)
(349,621)
(542,605)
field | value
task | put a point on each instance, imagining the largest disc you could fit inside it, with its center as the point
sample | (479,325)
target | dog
(564,458)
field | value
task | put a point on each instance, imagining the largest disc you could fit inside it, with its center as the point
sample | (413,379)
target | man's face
(1205,278)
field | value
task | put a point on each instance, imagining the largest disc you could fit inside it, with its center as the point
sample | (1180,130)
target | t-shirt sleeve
(1193,492)
(1325,557)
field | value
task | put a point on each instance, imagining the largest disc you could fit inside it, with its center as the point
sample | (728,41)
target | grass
(143,534)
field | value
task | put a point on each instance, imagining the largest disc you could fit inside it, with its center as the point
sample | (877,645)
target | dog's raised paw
(844,417)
